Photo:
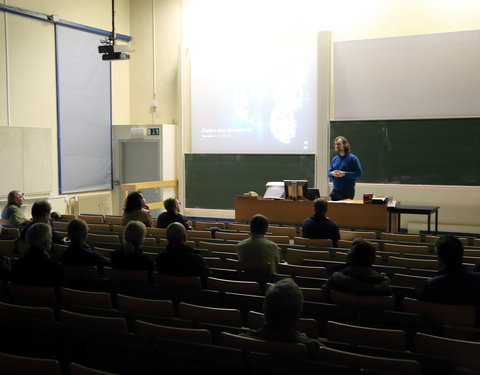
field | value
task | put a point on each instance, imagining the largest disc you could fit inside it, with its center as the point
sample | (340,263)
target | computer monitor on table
(296,189)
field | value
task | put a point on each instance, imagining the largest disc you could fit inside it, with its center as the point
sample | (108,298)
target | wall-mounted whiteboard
(421,76)
(84,112)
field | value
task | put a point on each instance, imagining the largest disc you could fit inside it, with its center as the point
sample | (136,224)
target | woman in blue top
(344,169)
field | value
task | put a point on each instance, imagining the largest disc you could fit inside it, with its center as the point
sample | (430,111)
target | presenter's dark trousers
(338,195)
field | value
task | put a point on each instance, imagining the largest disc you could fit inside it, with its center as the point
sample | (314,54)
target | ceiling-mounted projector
(114,52)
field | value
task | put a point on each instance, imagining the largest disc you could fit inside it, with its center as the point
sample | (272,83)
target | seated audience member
(454,285)
(256,248)
(78,252)
(41,214)
(12,211)
(282,308)
(318,225)
(136,209)
(357,276)
(130,256)
(180,259)
(36,268)
(171,215)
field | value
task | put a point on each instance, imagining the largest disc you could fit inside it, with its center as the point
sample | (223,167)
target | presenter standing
(344,169)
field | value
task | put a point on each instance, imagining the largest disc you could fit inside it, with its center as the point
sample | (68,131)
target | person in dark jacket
(357,276)
(454,285)
(36,268)
(78,253)
(41,214)
(319,225)
(180,259)
(172,214)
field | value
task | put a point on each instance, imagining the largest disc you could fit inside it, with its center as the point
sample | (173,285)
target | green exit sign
(153,131)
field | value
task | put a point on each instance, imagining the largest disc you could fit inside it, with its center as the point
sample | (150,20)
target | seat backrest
(360,361)
(298,270)
(351,235)
(312,242)
(7,247)
(114,220)
(234,286)
(173,333)
(313,294)
(400,237)
(294,256)
(205,314)
(81,272)
(218,246)
(199,234)
(77,369)
(401,248)
(461,353)
(429,264)
(239,227)
(85,298)
(409,281)
(120,275)
(363,302)
(163,308)
(112,324)
(291,232)
(44,314)
(91,218)
(19,365)
(202,225)
(383,338)
(149,241)
(105,238)
(44,295)
(293,350)
(231,236)
(308,326)
(459,315)
(191,282)
(278,238)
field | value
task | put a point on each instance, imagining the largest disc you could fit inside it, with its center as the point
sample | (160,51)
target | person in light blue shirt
(344,169)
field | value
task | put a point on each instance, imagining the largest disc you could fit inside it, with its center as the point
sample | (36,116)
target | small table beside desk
(416,210)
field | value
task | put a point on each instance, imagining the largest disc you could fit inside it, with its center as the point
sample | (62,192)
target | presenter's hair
(362,253)
(450,251)
(258,224)
(320,206)
(77,230)
(346,144)
(170,204)
(283,305)
(41,208)
(134,201)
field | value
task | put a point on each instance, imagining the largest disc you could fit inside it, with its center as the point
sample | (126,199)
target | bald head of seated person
(180,259)
(12,211)
(454,284)
(256,248)
(318,225)
(172,214)
(36,267)
(41,214)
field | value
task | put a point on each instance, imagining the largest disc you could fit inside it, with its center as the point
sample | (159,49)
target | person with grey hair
(131,256)
(357,276)
(12,211)
(36,267)
(180,259)
(282,308)
(78,252)
(319,225)
(256,248)
(172,214)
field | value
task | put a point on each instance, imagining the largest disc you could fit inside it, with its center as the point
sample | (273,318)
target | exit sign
(153,131)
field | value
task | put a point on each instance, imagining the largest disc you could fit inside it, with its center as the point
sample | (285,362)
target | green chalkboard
(430,151)
(213,180)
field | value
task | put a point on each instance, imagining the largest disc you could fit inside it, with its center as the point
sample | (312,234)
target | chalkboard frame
(213,180)
(415,151)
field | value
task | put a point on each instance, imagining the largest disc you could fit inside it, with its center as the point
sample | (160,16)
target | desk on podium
(347,214)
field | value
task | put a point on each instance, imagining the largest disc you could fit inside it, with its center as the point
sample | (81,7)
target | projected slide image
(260,101)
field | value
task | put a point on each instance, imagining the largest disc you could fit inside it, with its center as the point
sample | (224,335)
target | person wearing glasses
(344,169)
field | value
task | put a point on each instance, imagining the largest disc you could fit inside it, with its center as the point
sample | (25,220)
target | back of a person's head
(449,251)
(134,201)
(362,253)
(77,230)
(176,233)
(39,237)
(134,233)
(320,206)
(283,305)
(41,209)
(170,204)
(258,224)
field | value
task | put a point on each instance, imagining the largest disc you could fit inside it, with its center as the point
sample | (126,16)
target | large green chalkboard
(431,151)
(213,180)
